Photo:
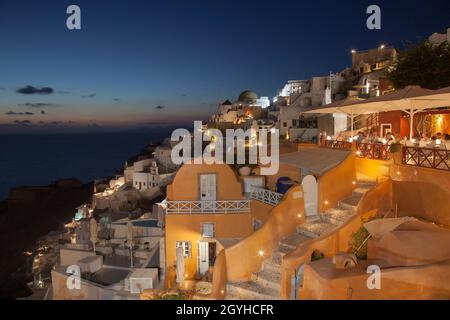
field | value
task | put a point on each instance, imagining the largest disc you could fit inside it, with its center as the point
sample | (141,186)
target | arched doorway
(310,190)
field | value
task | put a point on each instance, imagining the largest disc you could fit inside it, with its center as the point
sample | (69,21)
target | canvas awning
(411,99)
(378,228)
(342,106)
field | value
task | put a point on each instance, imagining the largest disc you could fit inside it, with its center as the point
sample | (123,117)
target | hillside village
(362,182)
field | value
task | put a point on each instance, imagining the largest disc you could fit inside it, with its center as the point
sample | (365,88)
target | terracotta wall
(428,282)
(421,192)
(394,118)
(260,210)
(188,228)
(374,201)
(285,170)
(185,185)
(220,277)
(243,259)
(337,183)
(376,169)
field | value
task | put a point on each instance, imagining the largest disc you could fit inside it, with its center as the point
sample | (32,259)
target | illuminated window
(187,248)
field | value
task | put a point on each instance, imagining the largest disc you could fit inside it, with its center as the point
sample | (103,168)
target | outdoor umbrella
(411,100)
(378,228)
(130,241)
(440,96)
(344,106)
(93,231)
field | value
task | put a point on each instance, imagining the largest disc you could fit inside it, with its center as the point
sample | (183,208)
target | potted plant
(245,169)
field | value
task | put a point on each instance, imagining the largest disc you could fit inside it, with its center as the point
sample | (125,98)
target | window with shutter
(187,248)
(208,230)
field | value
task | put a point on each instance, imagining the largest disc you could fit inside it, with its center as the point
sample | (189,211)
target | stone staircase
(265,284)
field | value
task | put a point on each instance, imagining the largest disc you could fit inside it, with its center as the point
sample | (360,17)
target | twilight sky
(140,62)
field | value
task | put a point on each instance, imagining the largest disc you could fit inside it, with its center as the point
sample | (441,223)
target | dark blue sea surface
(39,159)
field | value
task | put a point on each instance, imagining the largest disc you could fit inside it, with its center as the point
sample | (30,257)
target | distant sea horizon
(41,158)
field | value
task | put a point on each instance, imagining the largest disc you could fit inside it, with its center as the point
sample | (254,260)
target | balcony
(208,207)
(433,158)
(266,196)
(333,144)
(375,151)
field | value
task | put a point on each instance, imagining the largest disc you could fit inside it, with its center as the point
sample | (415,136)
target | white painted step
(337,216)
(294,240)
(315,229)
(268,278)
(350,203)
(251,291)
(271,265)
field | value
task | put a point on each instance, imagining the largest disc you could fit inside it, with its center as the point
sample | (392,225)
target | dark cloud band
(35,90)
(12,113)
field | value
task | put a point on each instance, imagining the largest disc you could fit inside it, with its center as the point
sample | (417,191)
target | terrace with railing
(437,157)
(208,207)
(266,196)
(434,158)
(334,144)
(376,151)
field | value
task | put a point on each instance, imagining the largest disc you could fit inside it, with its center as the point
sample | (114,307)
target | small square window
(208,230)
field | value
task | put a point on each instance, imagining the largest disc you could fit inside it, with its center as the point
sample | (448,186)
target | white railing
(194,207)
(266,196)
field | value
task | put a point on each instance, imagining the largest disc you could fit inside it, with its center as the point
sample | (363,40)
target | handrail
(334,144)
(375,151)
(433,158)
(266,196)
(188,207)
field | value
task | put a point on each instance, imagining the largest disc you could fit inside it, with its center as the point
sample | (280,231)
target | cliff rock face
(28,214)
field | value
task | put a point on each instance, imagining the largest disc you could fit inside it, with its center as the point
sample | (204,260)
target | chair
(447,145)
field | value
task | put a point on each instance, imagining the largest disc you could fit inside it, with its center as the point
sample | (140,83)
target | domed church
(247,108)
